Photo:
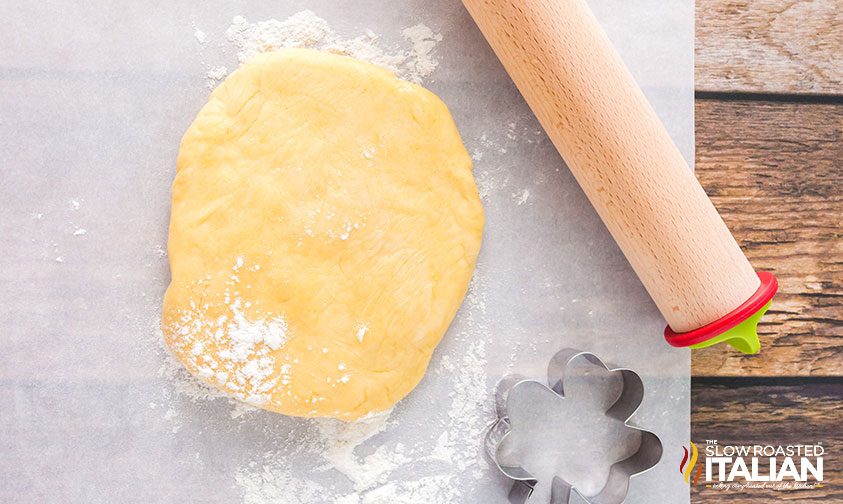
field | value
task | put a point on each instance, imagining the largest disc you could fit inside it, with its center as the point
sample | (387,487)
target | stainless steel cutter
(572,436)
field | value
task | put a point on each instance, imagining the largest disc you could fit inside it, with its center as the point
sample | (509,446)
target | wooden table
(769,126)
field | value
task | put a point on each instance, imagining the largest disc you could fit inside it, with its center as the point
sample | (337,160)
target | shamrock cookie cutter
(516,396)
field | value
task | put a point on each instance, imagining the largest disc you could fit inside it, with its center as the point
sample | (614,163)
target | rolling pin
(620,153)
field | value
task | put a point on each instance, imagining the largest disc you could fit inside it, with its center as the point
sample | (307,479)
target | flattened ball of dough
(324,229)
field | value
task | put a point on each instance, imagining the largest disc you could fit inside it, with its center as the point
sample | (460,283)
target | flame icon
(686,467)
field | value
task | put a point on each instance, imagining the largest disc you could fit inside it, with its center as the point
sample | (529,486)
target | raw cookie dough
(324,229)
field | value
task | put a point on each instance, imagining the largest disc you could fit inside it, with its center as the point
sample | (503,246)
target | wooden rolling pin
(622,156)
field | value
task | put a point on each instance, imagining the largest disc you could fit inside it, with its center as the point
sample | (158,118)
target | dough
(324,229)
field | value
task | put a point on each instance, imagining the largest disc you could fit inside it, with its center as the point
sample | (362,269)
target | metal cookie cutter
(521,402)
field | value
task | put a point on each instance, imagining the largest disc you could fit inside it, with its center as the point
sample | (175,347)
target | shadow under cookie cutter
(624,407)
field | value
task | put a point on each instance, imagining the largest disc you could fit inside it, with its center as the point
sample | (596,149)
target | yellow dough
(324,229)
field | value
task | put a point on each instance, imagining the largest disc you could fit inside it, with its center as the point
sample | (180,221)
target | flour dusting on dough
(244,366)
(361,332)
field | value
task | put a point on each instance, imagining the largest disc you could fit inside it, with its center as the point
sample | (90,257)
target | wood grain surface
(747,412)
(769,115)
(775,172)
(770,46)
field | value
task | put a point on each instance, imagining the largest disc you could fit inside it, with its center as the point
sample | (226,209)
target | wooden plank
(747,414)
(775,171)
(770,46)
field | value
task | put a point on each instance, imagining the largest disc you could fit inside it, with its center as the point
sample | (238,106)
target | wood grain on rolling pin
(616,147)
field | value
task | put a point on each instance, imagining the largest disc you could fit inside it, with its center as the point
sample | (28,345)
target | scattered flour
(426,490)
(468,408)
(339,441)
(424,42)
(306,29)
(181,382)
(494,176)
(217,73)
(199,35)
(338,444)
(521,197)
(275,483)
(390,472)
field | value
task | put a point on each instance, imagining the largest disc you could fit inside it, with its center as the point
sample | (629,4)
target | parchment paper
(94,98)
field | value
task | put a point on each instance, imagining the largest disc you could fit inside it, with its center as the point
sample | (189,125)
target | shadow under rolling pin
(620,153)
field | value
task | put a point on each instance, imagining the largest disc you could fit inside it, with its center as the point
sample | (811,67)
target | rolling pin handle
(739,328)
